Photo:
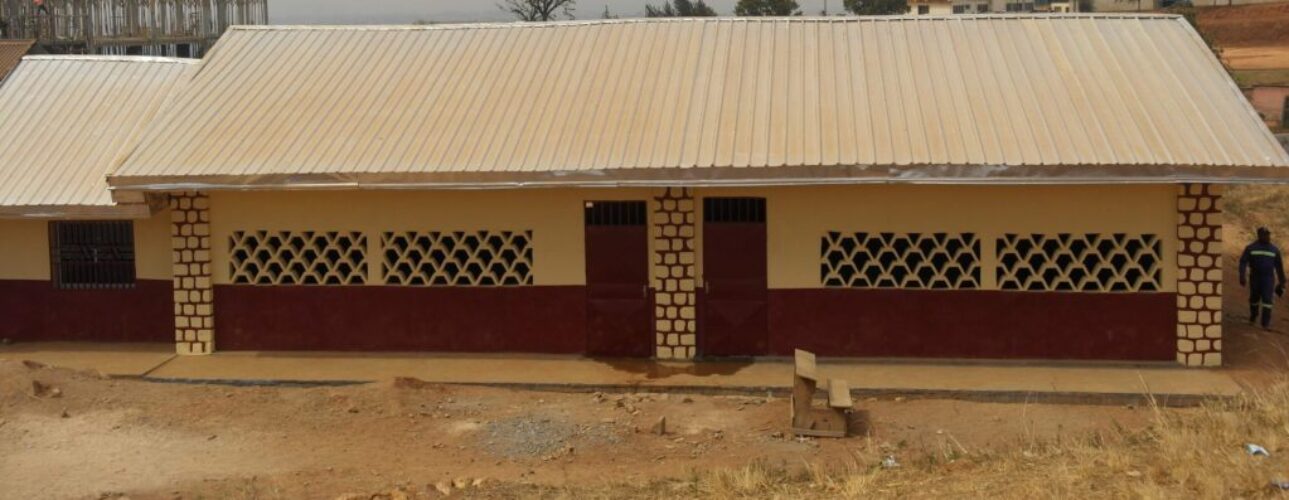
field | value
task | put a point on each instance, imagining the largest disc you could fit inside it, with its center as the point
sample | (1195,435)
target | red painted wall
(32,310)
(536,319)
(974,324)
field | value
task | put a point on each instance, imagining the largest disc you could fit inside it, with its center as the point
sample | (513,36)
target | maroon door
(734,284)
(618,304)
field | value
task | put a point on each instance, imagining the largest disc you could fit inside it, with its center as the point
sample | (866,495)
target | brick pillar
(194,293)
(1199,275)
(675,317)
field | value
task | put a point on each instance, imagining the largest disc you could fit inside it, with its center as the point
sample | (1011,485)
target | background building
(179,28)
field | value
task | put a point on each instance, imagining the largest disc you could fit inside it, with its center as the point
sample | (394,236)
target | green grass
(1256,77)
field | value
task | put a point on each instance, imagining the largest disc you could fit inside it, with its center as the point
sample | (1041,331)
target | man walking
(1266,271)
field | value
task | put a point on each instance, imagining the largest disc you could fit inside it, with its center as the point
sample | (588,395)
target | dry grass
(1192,453)
(1249,206)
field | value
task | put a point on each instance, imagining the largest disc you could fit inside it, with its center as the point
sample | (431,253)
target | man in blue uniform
(1266,271)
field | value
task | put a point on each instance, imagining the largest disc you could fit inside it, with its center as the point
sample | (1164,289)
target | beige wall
(24,248)
(152,247)
(798,217)
(554,216)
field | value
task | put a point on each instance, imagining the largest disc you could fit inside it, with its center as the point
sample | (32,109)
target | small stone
(478,482)
(777,435)
(687,399)
(1133,473)
(32,365)
(659,427)
(43,390)
(460,483)
(64,414)
(443,487)
(352,409)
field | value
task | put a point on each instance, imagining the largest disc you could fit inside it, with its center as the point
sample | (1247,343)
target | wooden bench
(808,420)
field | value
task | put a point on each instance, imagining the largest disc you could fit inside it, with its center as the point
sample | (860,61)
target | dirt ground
(78,435)
(1250,37)
(1262,25)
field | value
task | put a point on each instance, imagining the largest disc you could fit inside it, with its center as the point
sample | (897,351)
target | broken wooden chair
(808,420)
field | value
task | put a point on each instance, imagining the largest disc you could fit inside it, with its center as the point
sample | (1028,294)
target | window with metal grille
(615,213)
(98,254)
(734,210)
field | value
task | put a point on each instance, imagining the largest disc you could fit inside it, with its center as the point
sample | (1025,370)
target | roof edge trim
(756,19)
(807,176)
(95,58)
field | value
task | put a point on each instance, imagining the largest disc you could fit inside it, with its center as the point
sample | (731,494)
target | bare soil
(1262,25)
(79,435)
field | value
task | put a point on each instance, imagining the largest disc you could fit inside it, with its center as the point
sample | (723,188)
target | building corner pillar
(1199,275)
(673,226)
(194,294)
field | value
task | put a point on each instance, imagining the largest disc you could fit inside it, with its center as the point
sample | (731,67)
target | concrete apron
(987,381)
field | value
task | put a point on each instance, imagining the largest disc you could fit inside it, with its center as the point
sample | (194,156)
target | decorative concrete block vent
(674,263)
(1199,275)
(194,293)
(900,260)
(1080,262)
(458,258)
(298,257)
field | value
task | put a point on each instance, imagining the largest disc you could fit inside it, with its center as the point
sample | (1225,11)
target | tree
(767,8)
(538,10)
(877,7)
(680,8)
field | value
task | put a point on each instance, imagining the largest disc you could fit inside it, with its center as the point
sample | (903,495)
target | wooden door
(734,278)
(619,306)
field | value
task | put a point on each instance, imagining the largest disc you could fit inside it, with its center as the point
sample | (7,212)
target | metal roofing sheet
(1074,98)
(66,120)
(11,51)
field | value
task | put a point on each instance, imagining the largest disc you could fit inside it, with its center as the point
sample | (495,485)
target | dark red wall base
(37,311)
(974,324)
(535,319)
(545,319)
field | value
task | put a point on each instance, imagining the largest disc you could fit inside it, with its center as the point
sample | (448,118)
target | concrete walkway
(990,381)
(118,360)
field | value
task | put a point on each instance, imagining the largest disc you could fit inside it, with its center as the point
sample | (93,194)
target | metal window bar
(615,213)
(92,254)
(734,210)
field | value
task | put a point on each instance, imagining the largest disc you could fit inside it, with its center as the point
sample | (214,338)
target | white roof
(66,120)
(984,99)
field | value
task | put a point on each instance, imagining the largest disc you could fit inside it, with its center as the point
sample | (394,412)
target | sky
(455,11)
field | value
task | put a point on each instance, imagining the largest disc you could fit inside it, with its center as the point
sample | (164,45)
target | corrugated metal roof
(11,51)
(66,120)
(1073,98)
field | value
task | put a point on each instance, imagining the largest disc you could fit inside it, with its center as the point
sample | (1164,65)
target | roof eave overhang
(715,177)
(78,212)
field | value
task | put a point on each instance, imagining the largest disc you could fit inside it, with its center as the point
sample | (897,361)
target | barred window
(1080,262)
(298,257)
(92,254)
(900,260)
